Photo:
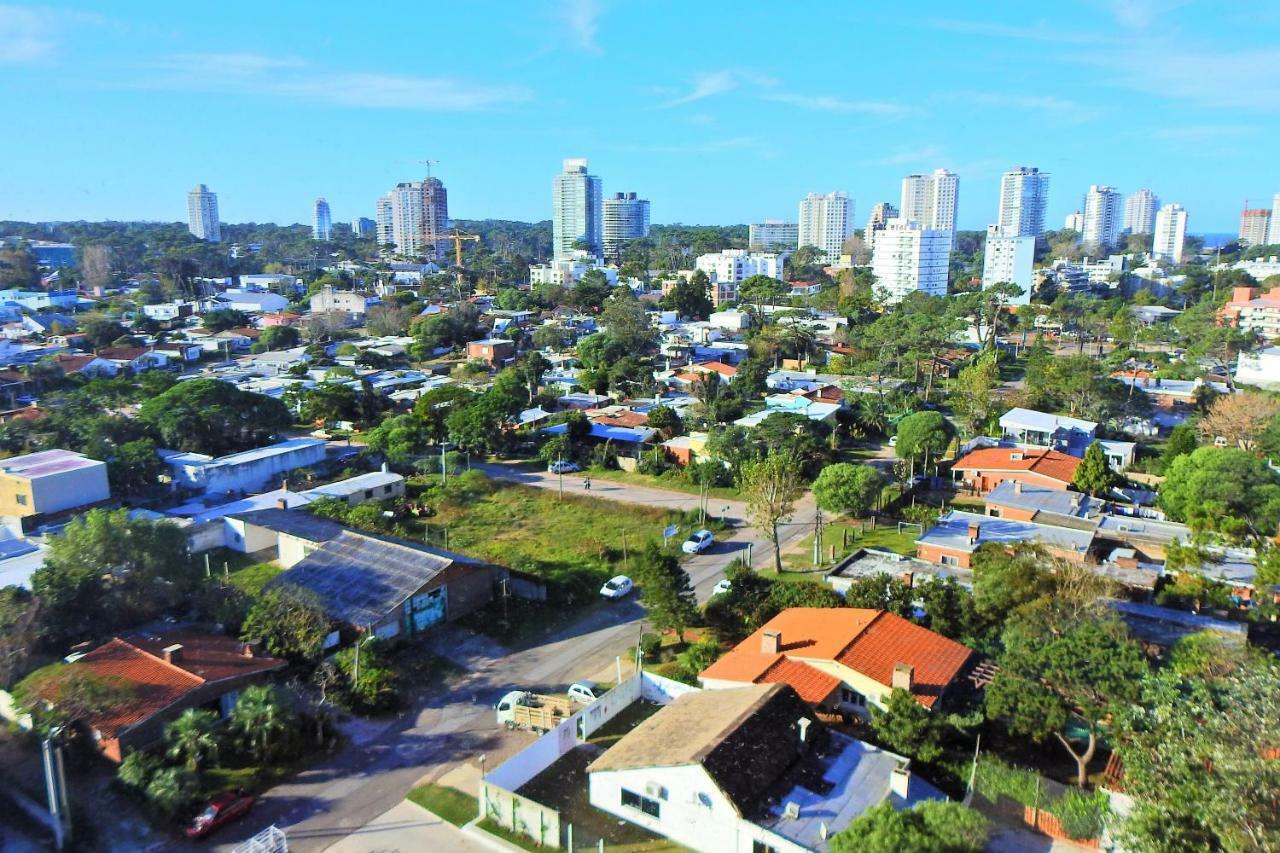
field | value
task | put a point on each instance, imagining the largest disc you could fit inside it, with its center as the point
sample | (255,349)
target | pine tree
(666,590)
(1094,475)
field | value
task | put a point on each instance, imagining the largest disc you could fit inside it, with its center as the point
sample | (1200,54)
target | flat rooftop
(246,456)
(47,463)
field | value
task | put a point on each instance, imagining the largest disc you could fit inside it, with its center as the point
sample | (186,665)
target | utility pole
(817,537)
(55,783)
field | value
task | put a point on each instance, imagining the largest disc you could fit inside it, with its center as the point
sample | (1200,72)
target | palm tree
(193,737)
(261,719)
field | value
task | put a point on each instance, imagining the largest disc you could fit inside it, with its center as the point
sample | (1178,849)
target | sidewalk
(407,827)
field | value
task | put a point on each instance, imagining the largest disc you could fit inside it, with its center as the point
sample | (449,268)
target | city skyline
(166,85)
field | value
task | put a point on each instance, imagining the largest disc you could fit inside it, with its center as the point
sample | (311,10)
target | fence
(499,801)
(1050,807)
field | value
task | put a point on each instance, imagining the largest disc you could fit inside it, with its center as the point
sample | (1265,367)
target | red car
(223,808)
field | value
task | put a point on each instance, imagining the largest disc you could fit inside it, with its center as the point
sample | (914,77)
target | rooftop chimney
(771,643)
(249,648)
(1017,487)
(904,676)
(173,654)
(282,503)
(975,528)
(900,781)
(803,723)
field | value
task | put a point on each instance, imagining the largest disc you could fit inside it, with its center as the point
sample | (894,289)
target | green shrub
(650,646)
(1081,813)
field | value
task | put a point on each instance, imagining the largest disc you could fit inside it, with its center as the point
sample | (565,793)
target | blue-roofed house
(957,534)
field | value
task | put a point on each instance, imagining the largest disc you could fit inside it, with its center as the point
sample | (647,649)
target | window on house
(386,490)
(761,847)
(644,804)
(22,500)
(368,493)
(852,697)
(949,560)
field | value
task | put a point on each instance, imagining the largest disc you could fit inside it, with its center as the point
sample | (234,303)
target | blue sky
(718,112)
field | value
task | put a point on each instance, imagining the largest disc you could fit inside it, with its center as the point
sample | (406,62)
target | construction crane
(457,237)
(428,164)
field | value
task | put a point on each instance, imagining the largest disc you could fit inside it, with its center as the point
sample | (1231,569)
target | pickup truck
(521,709)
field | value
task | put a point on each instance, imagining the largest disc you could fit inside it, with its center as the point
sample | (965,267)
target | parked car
(617,587)
(222,809)
(585,692)
(563,466)
(722,587)
(698,541)
(893,441)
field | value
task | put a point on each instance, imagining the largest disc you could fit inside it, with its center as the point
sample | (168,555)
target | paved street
(369,777)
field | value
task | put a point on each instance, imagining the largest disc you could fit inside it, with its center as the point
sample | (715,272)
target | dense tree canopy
(214,417)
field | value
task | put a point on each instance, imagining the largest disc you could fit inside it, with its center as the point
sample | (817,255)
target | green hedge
(1081,813)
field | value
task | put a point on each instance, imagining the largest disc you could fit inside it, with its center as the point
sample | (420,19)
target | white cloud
(1141,14)
(1235,78)
(582,17)
(289,77)
(705,86)
(833,104)
(925,155)
(33,34)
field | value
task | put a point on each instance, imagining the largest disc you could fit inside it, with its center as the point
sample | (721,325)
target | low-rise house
(50,482)
(1039,429)
(684,449)
(247,471)
(182,352)
(388,587)
(134,359)
(167,312)
(726,372)
(1018,501)
(353,491)
(48,323)
(166,673)
(985,468)
(873,562)
(353,303)
(1253,310)
(251,301)
(89,366)
(956,535)
(581,401)
(845,659)
(495,352)
(747,769)
(1261,368)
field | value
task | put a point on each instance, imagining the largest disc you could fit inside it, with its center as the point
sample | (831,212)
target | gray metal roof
(1039,499)
(952,532)
(359,579)
(303,525)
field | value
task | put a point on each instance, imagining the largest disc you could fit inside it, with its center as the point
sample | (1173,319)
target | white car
(617,587)
(584,692)
(893,441)
(563,467)
(722,587)
(698,541)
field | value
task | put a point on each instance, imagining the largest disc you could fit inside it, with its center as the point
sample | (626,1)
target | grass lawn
(524,842)
(251,579)
(885,536)
(448,803)
(669,481)
(574,543)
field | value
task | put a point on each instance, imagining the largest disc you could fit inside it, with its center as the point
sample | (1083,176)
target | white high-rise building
(576,210)
(321,221)
(1074,221)
(1255,226)
(1101,217)
(626,218)
(1024,193)
(931,200)
(881,213)
(729,268)
(1170,233)
(773,235)
(1273,236)
(384,221)
(908,257)
(411,213)
(1140,212)
(1009,258)
(202,214)
(825,222)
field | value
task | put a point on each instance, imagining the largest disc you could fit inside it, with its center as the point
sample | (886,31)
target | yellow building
(50,481)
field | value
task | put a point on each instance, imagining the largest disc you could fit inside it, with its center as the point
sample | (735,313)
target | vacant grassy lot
(575,543)
(671,480)
(445,802)
(847,537)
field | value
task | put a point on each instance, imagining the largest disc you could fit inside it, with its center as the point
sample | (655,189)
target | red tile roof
(138,662)
(715,367)
(812,684)
(870,642)
(891,640)
(1050,463)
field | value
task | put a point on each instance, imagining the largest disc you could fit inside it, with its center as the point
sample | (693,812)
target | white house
(251,301)
(249,471)
(1261,368)
(350,302)
(744,770)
